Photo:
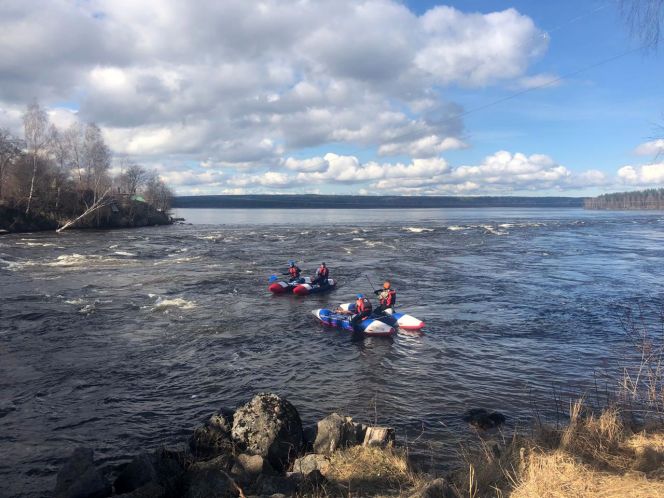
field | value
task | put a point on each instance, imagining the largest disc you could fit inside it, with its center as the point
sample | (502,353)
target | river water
(125,340)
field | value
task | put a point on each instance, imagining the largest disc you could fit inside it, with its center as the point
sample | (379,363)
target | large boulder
(247,468)
(269,426)
(79,478)
(213,438)
(310,463)
(334,432)
(162,468)
(209,479)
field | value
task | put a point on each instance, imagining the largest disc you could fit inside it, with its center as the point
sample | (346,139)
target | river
(124,340)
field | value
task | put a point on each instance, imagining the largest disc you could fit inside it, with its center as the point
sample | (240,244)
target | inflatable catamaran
(300,287)
(400,320)
(368,326)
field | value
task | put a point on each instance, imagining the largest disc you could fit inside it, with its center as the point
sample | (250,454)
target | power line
(549,83)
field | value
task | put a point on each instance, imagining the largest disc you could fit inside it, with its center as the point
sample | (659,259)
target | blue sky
(341,96)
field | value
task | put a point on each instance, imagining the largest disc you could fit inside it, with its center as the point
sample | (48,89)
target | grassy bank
(595,455)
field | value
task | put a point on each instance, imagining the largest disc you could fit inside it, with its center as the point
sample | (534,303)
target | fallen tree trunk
(99,203)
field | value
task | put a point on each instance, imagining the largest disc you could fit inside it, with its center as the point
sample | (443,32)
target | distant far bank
(369,202)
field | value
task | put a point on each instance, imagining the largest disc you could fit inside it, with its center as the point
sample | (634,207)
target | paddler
(293,271)
(363,310)
(322,274)
(387,297)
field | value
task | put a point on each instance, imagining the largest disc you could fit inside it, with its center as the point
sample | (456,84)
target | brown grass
(593,456)
(368,471)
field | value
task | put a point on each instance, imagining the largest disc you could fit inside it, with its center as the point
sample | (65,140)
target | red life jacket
(323,271)
(390,299)
(363,305)
(294,271)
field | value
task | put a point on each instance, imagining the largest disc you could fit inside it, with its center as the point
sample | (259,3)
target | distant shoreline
(369,202)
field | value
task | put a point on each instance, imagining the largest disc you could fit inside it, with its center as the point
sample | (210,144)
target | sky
(473,97)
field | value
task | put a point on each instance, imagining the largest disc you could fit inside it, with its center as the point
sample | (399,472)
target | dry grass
(369,471)
(594,456)
(560,475)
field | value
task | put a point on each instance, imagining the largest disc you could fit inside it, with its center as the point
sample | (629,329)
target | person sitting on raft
(322,274)
(293,271)
(387,297)
(363,310)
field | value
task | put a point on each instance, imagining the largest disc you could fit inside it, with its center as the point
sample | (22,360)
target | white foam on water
(124,253)
(492,230)
(417,229)
(35,244)
(75,302)
(455,228)
(178,302)
(114,246)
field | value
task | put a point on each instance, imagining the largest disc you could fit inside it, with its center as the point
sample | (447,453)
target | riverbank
(263,449)
(115,215)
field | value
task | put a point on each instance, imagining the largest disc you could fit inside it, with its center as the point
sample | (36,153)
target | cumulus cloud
(652,148)
(242,84)
(646,175)
(500,173)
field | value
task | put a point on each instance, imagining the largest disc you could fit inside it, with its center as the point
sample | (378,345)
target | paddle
(273,278)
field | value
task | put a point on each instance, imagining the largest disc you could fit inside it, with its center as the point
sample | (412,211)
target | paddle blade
(273,278)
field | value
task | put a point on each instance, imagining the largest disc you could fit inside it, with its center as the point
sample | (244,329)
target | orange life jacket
(363,305)
(388,298)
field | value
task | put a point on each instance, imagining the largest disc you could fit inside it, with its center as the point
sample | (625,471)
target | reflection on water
(125,339)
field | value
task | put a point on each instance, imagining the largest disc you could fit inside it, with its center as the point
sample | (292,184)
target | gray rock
(271,485)
(269,426)
(163,467)
(212,439)
(483,419)
(209,479)
(334,432)
(438,488)
(247,468)
(79,478)
(309,463)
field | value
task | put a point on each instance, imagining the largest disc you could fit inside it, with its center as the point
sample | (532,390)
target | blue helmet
(291,262)
(360,296)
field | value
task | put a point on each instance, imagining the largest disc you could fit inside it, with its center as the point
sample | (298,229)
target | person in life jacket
(293,271)
(363,310)
(322,274)
(387,297)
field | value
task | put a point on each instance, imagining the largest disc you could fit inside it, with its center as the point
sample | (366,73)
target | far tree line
(62,173)
(644,199)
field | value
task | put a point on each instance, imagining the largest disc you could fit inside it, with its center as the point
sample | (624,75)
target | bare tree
(10,150)
(97,161)
(35,124)
(133,178)
(158,194)
(645,19)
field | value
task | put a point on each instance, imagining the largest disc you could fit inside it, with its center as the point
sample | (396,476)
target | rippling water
(124,340)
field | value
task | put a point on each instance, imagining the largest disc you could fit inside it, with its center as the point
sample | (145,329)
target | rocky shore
(120,215)
(260,449)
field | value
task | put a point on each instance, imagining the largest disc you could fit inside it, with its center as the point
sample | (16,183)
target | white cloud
(652,148)
(646,175)
(543,80)
(243,84)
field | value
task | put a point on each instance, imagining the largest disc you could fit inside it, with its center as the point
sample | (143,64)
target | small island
(55,179)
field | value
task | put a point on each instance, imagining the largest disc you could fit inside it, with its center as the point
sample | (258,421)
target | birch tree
(35,125)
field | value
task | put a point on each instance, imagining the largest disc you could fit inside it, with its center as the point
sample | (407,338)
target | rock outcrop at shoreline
(260,450)
(120,215)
